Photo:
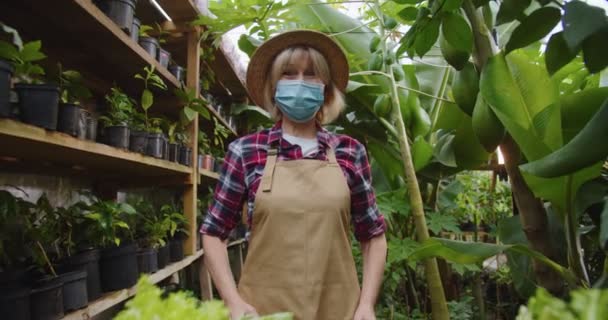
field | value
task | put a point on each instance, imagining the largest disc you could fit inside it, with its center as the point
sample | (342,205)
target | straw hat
(263,57)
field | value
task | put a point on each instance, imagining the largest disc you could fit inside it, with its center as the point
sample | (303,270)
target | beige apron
(300,257)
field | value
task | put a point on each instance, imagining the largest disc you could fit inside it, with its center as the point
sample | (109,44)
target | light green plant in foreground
(148,304)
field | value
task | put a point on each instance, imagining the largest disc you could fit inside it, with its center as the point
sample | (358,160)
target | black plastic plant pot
(135,29)
(163,57)
(154,145)
(118,267)
(165,147)
(185,155)
(39,104)
(74,290)
(14,278)
(91,133)
(46,300)
(164,254)
(173,152)
(200,161)
(176,248)
(119,11)
(147,260)
(178,72)
(150,45)
(138,141)
(87,261)
(6,71)
(69,118)
(118,136)
(15,303)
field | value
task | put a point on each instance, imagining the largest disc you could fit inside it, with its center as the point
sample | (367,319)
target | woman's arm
(374,257)
(216,260)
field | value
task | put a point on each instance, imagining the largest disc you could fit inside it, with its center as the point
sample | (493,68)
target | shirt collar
(276,133)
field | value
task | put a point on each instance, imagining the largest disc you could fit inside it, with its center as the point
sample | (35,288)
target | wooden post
(191,192)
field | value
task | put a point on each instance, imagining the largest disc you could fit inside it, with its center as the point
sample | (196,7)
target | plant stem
(46,259)
(575,258)
(437,105)
(484,45)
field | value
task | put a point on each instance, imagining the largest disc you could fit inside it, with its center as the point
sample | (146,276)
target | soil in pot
(119,11)
(185,156)
(173,152)
(39,104)
(69,118)
(118,267)
(135,29)
(6,71)
(178,71)
(150,45)
(15,303)
(154,145)
(147,260)
(118,136)
(46,299)
(163,57)
(138,141)
(86,261)
(163,256)
(74,290)
(176,248)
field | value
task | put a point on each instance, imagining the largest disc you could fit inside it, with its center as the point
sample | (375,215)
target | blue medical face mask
(299,100)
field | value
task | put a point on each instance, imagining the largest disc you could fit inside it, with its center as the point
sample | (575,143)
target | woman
(303,186)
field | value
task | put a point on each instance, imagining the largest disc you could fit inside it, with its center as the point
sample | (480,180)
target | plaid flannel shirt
(243,168)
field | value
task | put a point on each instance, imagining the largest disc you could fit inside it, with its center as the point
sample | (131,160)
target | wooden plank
(31,143)
(111,299)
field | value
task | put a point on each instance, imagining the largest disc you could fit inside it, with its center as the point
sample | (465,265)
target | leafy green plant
(161,33)
(70,221)
(23,59)
(204,144)
(72,86)
(121,108)
(144,30)
(14,221)
(110,227)
(193,104)
(220,134)
(150,80)
(461,309)
(177,221)
(589,304)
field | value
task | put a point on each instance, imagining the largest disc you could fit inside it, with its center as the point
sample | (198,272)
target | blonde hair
(334,100)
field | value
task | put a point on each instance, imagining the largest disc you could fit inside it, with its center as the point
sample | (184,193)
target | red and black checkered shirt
(244,165)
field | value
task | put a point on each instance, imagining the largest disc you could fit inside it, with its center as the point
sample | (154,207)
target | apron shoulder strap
(271,160)
(331,156)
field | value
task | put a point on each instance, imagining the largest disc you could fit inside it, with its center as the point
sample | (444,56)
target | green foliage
(150,80)
(193,104)
(461,309)
(121,108)
(23,60)
(584,304)
(14,221)
(72,86)
(111,227)
(175,219)
(438,222)
(220,134)
(533,28)
(144,30)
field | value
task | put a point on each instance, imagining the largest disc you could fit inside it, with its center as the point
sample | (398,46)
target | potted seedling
(38,102)
(177,231)
(119,11)
(72,118)
(163,56)
(118,118)
(220,134)
(155,141)
(14,284)
(173,133)
(135,29)
(193,105)
(7,69)
(118,263)
(146,41)
(138,137)
(178,71)
(152,230)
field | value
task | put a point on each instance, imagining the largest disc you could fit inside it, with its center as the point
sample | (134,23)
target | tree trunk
(533,218)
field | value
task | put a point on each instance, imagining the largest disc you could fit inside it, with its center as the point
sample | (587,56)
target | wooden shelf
(206,176)
(26,143)
(111,299)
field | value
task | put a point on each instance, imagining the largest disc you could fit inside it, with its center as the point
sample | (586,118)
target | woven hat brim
(263,57)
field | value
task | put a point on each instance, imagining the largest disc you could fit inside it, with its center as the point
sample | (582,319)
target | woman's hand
(240,309)
(365,312)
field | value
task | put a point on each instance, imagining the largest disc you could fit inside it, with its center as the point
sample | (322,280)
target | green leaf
(8,51)
(189,113)
(581,152)
(122,224)
(533,28)
(146,99)
(427,36)
(354,85)
(558,54)
(511,10)
(594,51)
(510,232)
(577,109)
(451,5)
(604,228)
(488,129)
(444,150)
(457,32)
(408,13)
(406,1)
(422,153)
(438,222)
(31,52)
(248,44)
(581,21)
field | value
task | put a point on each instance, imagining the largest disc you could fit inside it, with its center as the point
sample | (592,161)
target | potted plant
(6,70)
(111,232)
(204,150)
(146,41)
(220,134)
(193,105)
(119,11)
(163,55)
(174,136)
(138,136)
(177,231)
(152,231)
(118,118)
(155,141)
(14,284)
(178,71)
(38,102)
(72,118)
(134,33)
